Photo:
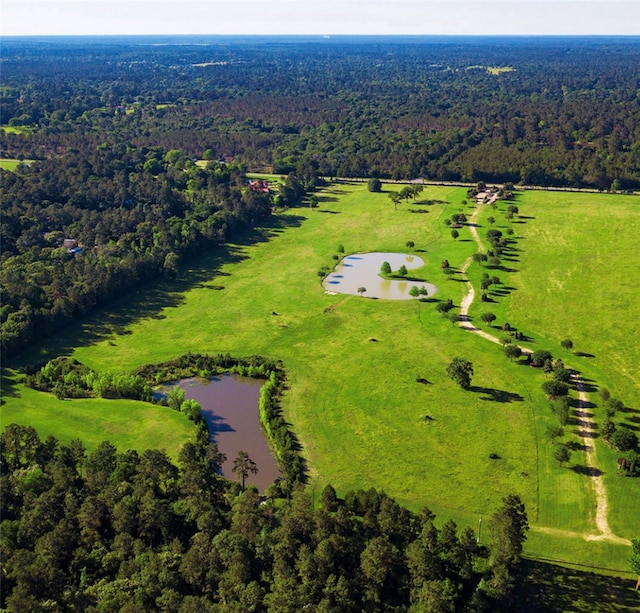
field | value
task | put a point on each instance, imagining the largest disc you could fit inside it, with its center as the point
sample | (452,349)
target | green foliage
(175,397)
(607,428)
(374,185)
(385,269)
(555,389)
(624,439)
(461,371)
(567,344)
(200,543)
(634,557)
(554,432)
(488,318)
(512,351)
(539,357)
(562,454)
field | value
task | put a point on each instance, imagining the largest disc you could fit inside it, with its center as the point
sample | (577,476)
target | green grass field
(355,403)
(12,164)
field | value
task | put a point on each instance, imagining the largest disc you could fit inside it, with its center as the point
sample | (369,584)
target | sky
(321,17)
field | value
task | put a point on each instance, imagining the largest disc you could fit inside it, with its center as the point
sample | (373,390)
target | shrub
(624,439)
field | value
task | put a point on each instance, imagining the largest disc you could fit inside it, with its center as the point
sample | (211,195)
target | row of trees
(110,530)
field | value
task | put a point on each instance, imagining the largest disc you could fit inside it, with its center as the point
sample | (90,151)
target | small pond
(230,408)
(363,270)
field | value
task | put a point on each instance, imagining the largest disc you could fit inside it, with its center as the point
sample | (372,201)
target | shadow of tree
(148,301)
(547,588)
(588,471)
(496,395)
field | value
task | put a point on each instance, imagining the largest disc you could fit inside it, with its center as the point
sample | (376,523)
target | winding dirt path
(586,433)
(585,418)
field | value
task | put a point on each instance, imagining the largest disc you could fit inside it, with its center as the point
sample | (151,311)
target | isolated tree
(454,318)
(385,269)
(455,234)
(567,344)
(424,291)
(554,432)
(479,257)
(444,264)
(449,272)
(243,465)
(402,271)
(410,244)
(555,389)
(605,394)
(512,352)
(562,454)
(395,197)
(414,292)
(374,185)
(362,290)
(634,559)
(488,318)
(461,371)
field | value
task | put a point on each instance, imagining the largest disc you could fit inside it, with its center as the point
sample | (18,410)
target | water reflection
(363,270)
(230,408)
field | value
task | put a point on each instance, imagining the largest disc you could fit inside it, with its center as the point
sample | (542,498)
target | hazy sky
(319,17)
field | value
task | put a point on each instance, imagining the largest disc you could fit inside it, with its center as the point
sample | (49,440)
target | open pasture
(369,398)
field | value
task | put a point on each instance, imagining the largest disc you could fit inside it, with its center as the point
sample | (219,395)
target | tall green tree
(461,371)
(243,465)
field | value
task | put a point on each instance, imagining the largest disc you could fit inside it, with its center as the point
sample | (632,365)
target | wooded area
(109,531)
(113,197)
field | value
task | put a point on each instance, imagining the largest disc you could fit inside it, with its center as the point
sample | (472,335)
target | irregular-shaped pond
(230,406)
(363,270)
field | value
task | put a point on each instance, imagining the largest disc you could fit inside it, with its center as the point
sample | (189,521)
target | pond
(363,270)
(230,408)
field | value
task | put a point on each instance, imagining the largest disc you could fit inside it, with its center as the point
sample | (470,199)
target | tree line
(80,229)
(109,530)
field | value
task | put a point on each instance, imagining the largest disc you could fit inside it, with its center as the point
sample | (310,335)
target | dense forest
(109,531)
(545,111)
(112,128)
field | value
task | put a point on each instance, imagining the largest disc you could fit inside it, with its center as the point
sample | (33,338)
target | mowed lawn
(354,399)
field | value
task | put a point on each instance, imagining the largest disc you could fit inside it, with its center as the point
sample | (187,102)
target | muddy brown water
(230,408)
